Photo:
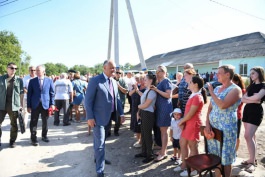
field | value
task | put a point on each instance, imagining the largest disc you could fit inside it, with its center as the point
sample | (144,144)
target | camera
(139,121)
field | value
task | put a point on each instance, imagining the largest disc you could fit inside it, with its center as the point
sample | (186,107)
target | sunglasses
(118,73)
(32,70)
(13,68)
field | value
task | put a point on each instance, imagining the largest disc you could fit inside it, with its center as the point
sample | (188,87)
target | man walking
(11,100)
(101,108)
(39,98)
(26,79)
(63,93)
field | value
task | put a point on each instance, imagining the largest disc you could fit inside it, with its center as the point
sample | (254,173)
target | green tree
(61,68)
(55,69)
(127,66)
(24,64)
(10,51)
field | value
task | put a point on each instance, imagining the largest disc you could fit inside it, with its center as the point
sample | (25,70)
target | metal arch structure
(114,17)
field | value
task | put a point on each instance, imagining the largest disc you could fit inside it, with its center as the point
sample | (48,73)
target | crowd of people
(156,106)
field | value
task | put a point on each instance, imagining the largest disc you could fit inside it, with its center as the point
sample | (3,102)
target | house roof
(248,45)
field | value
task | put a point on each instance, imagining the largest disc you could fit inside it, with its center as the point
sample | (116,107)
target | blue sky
(76,31)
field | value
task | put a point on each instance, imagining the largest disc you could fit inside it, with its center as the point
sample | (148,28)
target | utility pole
(116,34)
(114,15)
(110,29)
(136,37)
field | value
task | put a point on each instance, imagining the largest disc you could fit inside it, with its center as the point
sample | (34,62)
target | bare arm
(146,104)
(256,97)
(175,95)
(166,94)
(207,123)
(123,90)
(190,114)
(231,98)
(132,92)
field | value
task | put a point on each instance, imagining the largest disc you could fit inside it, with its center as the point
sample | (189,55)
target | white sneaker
(137,145)
(178,169)
(185,173)
(178,162)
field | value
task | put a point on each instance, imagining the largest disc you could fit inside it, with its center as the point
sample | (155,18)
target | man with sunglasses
(11,100)
(26,79)
(122,91)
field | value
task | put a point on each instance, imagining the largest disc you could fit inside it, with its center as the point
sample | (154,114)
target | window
(243,69)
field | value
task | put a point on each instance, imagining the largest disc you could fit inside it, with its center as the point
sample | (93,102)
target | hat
(71,71)
(176,110)
(83,78)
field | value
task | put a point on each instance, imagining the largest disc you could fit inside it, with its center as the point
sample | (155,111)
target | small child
(175,132)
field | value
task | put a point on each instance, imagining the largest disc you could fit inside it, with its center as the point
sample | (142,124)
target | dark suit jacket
(35,94)
(98,100)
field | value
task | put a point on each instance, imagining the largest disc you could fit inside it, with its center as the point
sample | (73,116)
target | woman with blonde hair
(163,108)
(222,115)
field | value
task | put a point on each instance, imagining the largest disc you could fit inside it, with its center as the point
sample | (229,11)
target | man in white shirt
(26,79)
(63,94)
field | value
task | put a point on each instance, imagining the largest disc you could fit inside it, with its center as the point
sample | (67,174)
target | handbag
(21,122)
(207,135)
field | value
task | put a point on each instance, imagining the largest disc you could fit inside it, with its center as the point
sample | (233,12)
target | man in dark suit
(101,108)
(40,98)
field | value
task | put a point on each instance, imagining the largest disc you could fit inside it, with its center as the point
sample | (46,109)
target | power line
(25,9)
(243,12)
(8,3)
(193,27)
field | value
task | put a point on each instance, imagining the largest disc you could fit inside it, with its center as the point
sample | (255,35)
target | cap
(176,110)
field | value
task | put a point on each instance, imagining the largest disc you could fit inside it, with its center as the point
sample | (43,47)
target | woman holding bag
(147,116)
(222,114)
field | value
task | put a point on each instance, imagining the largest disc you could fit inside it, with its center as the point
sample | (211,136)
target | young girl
(192,122)
(175,132)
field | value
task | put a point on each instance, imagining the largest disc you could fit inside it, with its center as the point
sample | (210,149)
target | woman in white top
(146,117)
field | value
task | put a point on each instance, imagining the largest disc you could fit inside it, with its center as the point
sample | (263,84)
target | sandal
(245,162)
(157,153)
(160,157)
(250,168)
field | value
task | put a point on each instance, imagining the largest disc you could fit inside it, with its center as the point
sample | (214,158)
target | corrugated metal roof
(248,45)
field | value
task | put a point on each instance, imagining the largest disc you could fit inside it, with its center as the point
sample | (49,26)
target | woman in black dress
(253,113)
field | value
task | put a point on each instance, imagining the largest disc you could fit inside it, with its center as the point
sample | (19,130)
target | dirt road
(70,154)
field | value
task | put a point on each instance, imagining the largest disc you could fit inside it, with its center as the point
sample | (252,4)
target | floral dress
(225,120)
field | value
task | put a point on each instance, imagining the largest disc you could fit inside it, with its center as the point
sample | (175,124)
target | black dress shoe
(45,139)
(100,175)
(140,155)
(148,159)
(116,134)
(66,124)
(35,143)
(107,162)
(55,124)
(12,144)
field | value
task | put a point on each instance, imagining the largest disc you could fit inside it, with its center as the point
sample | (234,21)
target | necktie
(41,83)
(112,94)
